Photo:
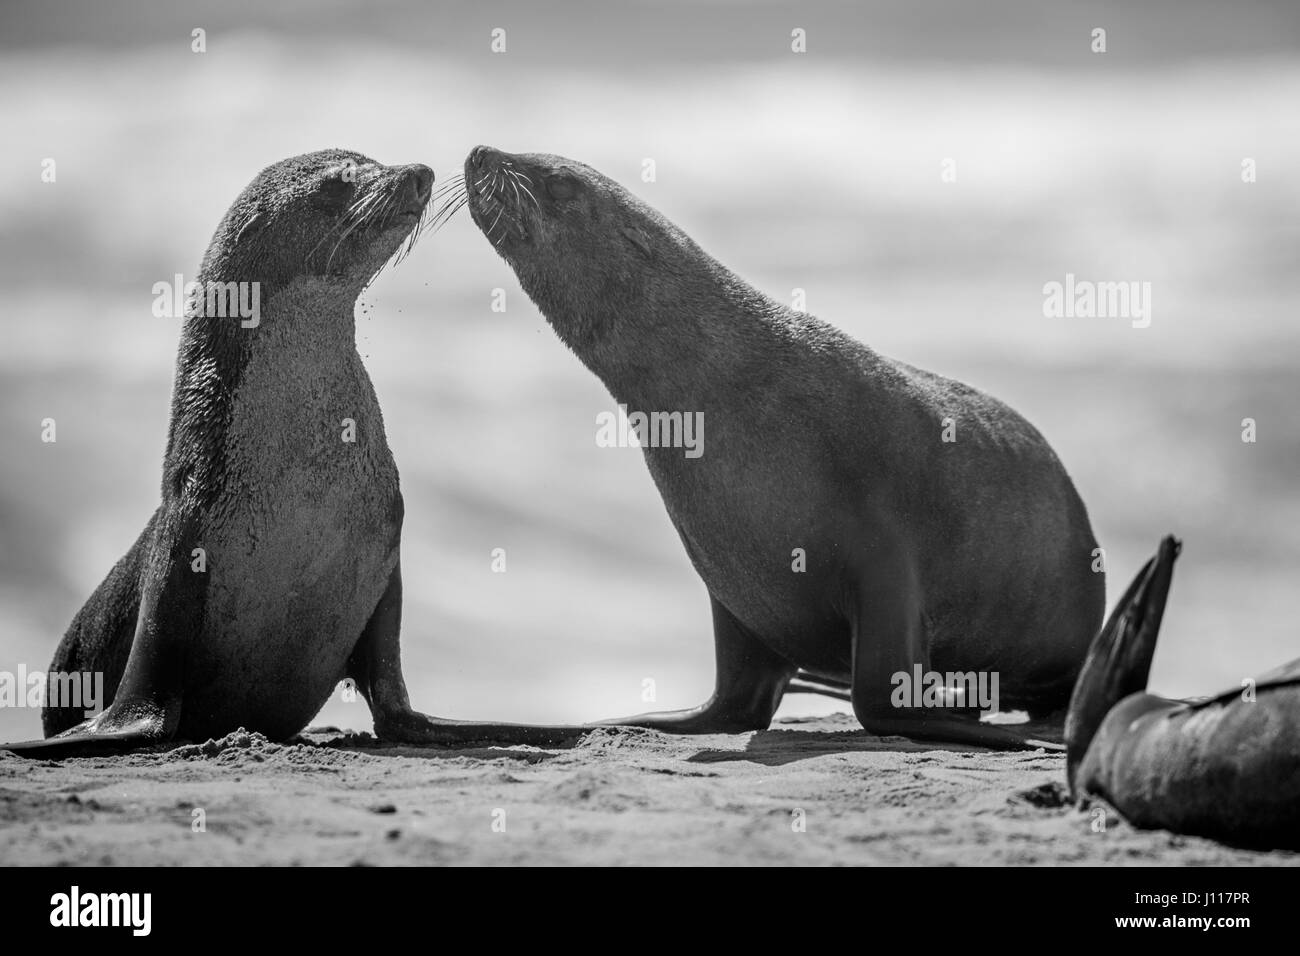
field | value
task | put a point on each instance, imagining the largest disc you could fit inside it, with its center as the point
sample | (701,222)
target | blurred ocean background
(818,171)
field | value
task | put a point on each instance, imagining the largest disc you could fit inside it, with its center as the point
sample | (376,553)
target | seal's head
(333,214)
(280,279)
(590,254)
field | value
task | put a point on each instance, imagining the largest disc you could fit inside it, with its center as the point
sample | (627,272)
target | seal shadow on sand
(774,748)
(779,746)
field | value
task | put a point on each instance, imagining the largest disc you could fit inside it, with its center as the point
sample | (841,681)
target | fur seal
(298,582)
(1227,767)
(973,555)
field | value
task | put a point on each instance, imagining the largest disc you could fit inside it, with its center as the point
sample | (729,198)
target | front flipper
(376,667)
(888,643)
(748,686)
(146,708)
(89,740)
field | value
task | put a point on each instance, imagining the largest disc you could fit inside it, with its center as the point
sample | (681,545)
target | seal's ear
(639,239)
(251,226)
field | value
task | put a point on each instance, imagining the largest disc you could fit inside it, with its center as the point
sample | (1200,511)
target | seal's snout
(498,193)
(422,178)
(480,155)
(417,184)
(416,187)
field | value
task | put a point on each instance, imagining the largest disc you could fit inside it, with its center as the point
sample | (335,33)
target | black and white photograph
(659,433)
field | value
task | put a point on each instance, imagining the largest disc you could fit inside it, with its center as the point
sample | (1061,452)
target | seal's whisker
(445,209)
(364,215)
(523,181)
(501,207)
(342,223)
(446,219)
(347,222)
(416,231)
(427,215)
(457,194)
(515,186)
(444,215)
(382,217)
(454,183)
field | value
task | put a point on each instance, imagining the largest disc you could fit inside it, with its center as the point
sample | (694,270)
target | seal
(1227,767)
(270,570)
(843,541)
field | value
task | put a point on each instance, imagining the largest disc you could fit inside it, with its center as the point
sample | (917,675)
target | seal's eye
(561,186)
(335,190)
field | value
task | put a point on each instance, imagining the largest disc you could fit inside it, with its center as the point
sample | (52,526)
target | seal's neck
(311,314)
(305,328)
(305,316)
(694,351)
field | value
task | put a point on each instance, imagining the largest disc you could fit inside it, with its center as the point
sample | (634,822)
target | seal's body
(298,549)
(270,570)
(1227,767)
(968,554)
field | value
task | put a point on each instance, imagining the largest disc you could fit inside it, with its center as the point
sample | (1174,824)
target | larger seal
(270,570)
(1227,767)
(856,521)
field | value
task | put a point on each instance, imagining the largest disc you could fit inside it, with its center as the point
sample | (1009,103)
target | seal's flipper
(74,743)
(804,683)
(749,681)
(945,729)
(135,719)
(1034,735)
(146,708)
(414,727)
(98,642)
(1119,660)
(376,667)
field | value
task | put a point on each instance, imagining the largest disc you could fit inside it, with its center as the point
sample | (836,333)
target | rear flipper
(1119,660)
(942,728)
(1034,734)
(806,683)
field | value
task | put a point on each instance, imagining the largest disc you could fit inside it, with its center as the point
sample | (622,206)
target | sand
(809,792)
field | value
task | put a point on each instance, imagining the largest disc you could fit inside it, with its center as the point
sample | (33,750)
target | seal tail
(1119,660)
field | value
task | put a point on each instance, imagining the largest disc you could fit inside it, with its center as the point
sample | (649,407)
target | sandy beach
(617,797)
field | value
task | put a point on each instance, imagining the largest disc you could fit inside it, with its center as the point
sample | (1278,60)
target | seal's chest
(305,534)
(309,412)
(308,471)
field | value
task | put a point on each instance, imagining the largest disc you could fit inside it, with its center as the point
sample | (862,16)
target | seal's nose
(422,178)
(480,155)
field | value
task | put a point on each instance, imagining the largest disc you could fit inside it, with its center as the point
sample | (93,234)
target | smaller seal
(270,570)
(1227,767)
